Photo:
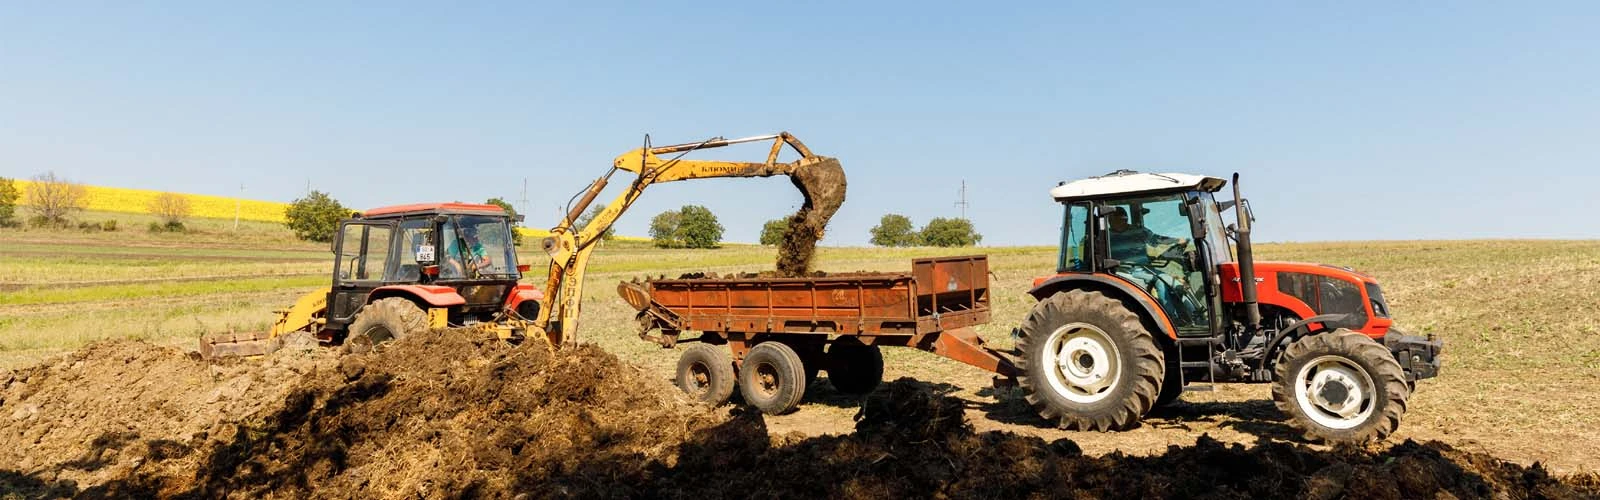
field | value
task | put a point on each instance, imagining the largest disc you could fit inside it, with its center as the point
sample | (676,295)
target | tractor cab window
(413,249)
(363,251)
(1073,228)
(477,247)
(1152,241)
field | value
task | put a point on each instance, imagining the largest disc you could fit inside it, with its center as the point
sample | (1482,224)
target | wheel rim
(379,334)
(1083,364)
(766,380)
(1335,392)
(699,378)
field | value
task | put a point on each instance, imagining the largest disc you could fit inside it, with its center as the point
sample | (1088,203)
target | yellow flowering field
(111,199)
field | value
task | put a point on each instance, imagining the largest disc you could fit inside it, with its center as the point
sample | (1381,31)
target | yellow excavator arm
(569,248)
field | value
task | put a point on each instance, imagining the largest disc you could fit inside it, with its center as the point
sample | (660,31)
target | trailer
(770,337)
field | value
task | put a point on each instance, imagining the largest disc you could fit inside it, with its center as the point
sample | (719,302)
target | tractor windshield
(477,246)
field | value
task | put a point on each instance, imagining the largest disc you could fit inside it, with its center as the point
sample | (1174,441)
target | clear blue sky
(1383,120)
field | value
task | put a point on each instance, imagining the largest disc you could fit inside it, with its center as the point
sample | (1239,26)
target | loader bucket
(223,345)
(821,181)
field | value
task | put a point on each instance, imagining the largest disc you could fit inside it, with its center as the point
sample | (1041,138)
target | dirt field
(446,414)
(1522,359)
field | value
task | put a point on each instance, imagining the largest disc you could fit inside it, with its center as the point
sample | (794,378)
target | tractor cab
(1154,294)
(456,261)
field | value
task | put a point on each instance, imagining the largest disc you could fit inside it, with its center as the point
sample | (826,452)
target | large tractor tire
(853,367)
(384,320)
(1340,387)
(705,373)
(772,378)
(1172,385)
(1088,363)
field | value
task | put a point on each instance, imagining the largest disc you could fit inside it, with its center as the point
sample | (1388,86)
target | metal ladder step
(1199,388)
(1208,384)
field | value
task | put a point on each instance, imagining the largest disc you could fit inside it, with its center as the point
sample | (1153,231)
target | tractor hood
(1307,289)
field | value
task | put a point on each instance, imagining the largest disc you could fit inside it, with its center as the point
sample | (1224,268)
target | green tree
(894,230)
(586,218)
(664,230)
(698,227)
(315,217)
(772,231)
(516,236)
(952,232)
(8,202)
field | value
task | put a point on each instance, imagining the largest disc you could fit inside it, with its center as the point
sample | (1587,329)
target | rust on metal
(932,308)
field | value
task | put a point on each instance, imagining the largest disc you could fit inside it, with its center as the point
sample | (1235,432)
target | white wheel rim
(1321,383)
(1083,364)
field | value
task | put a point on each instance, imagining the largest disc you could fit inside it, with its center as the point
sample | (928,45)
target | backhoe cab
(1148,302)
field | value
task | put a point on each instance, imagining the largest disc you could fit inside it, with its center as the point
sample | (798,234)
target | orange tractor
(1150,299)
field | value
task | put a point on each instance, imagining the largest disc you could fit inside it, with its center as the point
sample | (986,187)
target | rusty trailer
(780,333)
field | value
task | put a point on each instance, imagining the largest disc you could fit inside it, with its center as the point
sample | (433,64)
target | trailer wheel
(772,378)
(1340,387)
(1088,363)
(705,373)
(384,320)
(853,367)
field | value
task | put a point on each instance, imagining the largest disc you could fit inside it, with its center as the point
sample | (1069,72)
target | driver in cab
(1134,244)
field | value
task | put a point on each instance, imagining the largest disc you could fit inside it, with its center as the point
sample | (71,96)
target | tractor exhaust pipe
(1247,262)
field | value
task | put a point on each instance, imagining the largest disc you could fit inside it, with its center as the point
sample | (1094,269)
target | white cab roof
(1130,182)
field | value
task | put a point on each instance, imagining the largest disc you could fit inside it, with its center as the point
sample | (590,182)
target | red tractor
(1148,302)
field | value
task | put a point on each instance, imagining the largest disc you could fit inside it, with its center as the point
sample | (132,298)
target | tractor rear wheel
(1340,387)
(854,367)
(705,372)
(1172,386)
(1088,363)
(384,320)
(772,378)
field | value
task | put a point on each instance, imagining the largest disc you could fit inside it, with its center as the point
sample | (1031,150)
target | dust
(821,180)
(447,414)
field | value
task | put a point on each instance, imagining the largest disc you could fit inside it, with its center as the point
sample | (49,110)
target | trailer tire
(854,367)
(772,378)
(1088,363)
(1352,369)
(384,320)
(705,373)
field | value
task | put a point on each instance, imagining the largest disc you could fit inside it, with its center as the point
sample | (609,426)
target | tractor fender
(1294,331)
(522,294)
(434,296)
(1116,287)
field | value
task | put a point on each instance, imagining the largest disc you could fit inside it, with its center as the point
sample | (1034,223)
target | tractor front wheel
(1088,363)
(384,320)
(1340,387)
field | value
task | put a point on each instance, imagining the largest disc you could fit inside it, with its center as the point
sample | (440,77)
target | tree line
(51,202)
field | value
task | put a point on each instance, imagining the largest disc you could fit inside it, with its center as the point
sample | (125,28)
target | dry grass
(1518,318)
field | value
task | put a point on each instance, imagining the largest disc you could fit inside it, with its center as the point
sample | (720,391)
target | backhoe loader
(398,270)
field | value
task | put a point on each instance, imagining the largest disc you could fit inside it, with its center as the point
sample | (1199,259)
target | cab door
(361,255)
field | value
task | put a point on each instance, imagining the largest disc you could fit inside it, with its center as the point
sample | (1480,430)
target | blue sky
(1382,120)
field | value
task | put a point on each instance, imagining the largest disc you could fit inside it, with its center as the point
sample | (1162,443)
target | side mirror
(1223,206)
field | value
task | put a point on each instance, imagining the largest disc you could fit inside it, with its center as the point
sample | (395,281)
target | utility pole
(236,203)
(963,201)
(522,203)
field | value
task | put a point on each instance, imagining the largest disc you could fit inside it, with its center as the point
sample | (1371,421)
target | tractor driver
(1134,244)
(458,263)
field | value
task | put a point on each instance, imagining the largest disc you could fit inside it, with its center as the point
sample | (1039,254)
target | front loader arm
(569,248)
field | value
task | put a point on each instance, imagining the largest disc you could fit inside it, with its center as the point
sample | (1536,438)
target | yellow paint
(307,311)
(438,317)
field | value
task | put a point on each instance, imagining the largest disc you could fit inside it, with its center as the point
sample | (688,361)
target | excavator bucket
(821,180)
